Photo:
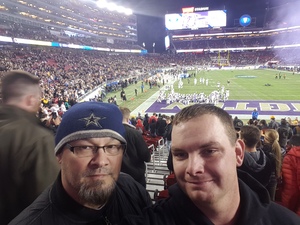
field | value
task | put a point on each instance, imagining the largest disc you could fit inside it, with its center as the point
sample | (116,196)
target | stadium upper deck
(280,29)
(75,18)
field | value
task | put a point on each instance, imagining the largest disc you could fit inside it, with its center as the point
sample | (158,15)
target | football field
(271,92)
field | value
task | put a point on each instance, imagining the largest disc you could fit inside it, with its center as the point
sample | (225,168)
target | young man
(206,154)
(27,163)
(256,162)
(90,145)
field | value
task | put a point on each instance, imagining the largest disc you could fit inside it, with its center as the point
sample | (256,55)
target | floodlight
(101,3)
(120,9)
(128,11)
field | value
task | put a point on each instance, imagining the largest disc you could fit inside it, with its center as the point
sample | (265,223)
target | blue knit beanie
(90,120)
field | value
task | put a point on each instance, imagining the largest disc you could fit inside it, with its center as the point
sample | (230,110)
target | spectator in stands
(133,121)
(137,151)
(238,124)
(168,132)
(296,129)
(139,116)
(295,121)
(152,128)
(153,118)
(209,189)
(291,180)
(273,123)
(251,122)
(272,149)
(255,162)
(139,126)
(27,163)
(285,133)
(161,125)
(146,122)
(262,125)
(90,144)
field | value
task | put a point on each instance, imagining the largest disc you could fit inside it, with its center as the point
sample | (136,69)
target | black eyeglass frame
(96,149)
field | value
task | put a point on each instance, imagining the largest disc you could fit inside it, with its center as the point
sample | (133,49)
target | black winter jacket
(55,206)
(255,208)
(137,153)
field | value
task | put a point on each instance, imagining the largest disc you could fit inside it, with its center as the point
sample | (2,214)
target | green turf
(241,87)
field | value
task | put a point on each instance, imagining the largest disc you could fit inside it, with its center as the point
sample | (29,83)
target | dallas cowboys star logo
(92,119)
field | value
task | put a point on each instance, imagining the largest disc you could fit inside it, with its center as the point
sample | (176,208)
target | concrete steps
(156,170)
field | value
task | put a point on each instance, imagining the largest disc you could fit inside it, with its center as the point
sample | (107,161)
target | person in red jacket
(290,195)
(139,126)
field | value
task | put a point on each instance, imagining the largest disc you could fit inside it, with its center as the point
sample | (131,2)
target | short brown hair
(251,135)
(17,83)
(125,112)
(198,110)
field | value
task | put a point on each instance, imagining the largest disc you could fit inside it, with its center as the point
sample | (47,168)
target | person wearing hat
(296,129)
(89,189)
(273,123)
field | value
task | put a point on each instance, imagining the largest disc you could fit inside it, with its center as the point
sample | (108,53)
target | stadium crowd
(67,75)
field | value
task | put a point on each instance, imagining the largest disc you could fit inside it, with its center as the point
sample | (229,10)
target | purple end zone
(291,108)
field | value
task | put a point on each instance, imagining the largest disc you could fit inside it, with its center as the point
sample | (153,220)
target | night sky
(150,14)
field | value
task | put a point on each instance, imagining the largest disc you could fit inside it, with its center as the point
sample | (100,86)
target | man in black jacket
(209,189)
(137,151)
(161,124)
(285,133)
(89,189)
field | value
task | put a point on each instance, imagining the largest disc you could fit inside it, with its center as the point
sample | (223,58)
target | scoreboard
(196,20)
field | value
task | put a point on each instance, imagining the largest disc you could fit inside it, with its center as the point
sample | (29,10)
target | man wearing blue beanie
(89,189)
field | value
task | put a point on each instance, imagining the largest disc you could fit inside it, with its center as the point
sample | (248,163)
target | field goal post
(223,59)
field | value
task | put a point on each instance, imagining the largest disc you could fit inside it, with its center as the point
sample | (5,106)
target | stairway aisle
(156,170)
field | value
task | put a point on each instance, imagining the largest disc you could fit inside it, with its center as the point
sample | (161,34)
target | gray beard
(94,194)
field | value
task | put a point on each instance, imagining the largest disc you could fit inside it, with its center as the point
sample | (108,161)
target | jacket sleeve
(290,193)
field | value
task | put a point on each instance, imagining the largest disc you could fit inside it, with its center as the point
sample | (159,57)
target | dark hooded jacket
(255,208)
(258,165)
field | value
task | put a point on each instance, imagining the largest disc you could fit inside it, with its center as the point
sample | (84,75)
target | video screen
(196,20)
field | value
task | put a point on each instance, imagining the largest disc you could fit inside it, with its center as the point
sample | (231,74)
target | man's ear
(30,101)
(59,157)
(239,151)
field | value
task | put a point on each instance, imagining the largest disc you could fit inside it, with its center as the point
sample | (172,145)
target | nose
(100,158)
(195,165)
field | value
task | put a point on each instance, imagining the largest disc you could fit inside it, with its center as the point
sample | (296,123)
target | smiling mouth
(199,182)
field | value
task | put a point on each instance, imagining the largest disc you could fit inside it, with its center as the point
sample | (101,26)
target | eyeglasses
(88,151)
